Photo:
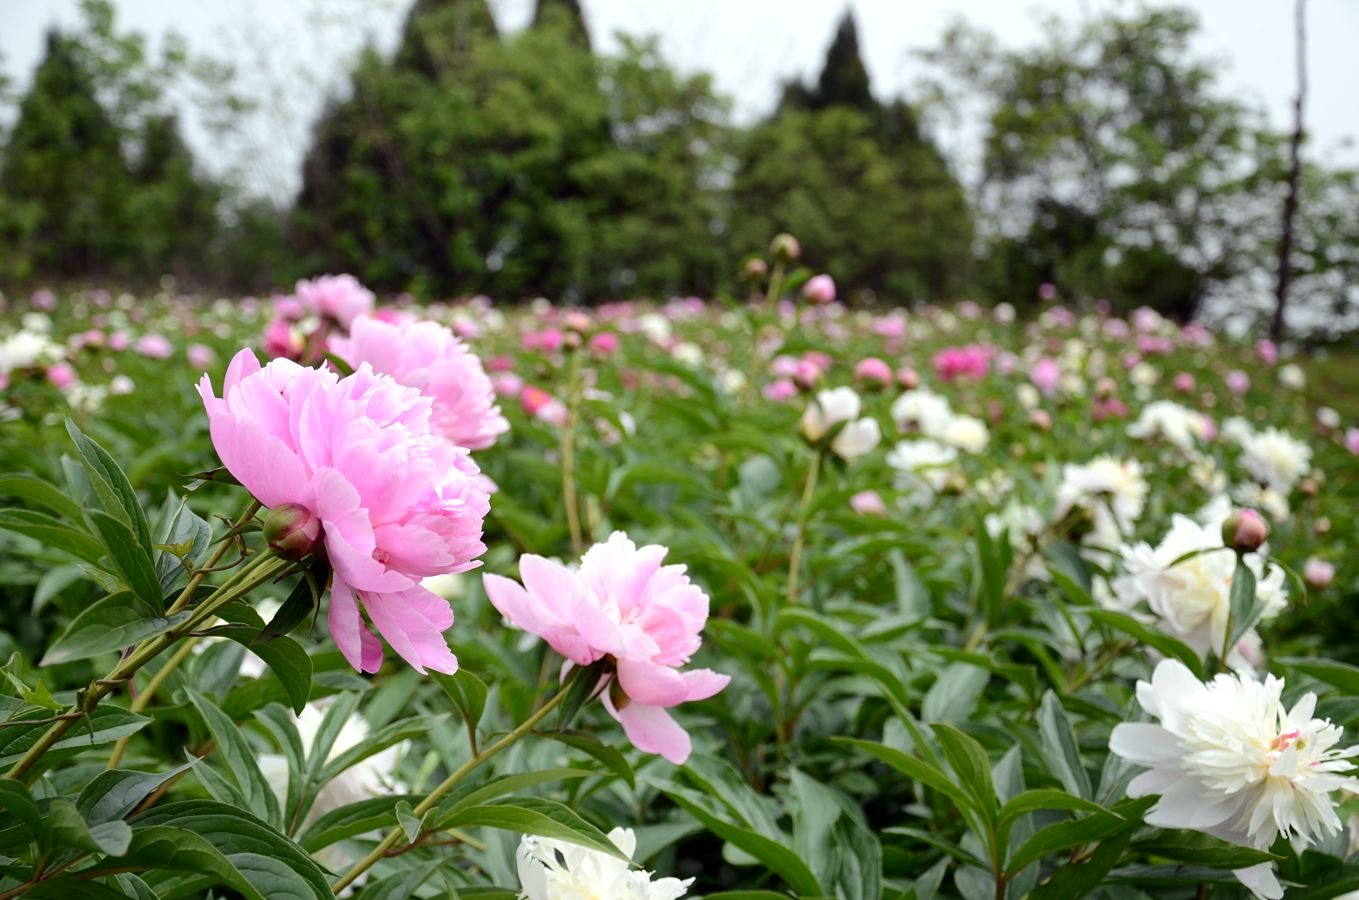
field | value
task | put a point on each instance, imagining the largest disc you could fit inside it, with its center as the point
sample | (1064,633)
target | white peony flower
(1237,429)
(688,353)
(1177,425)
(1291,377)
(830,408)
(556,870)
(922,463)
(1228,759)
(1275,459)
(856,438)
(1269,501)
(1113,492)
(1192,600)
(923,409)
(1327,417)
(964,432)
(28,350)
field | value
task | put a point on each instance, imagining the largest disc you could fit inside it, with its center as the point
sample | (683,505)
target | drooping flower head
(396,500)
(624,605)
(556,870)
(428,357)
(1229,759)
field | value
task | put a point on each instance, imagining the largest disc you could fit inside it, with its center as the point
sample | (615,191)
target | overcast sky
(750,46)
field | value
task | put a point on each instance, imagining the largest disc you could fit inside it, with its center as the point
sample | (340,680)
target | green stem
(568,451)
(795,558)
(263,567)
(434,796)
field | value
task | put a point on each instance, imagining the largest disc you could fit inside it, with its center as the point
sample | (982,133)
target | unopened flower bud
(755,269)
(1322,525)
(1244,531)
(1309,487)
(1318,572)
(786,248)
(292,531)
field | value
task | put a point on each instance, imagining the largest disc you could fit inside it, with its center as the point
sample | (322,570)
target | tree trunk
(1290,209)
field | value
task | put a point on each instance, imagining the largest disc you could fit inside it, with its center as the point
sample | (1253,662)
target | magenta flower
(397,502)
(623,606)
(427,357)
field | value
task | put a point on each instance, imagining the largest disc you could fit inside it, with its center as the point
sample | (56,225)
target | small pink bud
(873,373)
(755,269)
(819,289)
(806,374)
(908,378)
(1318,572)
(868,503)
(1041,419)
(1244,531)
(292,531)
(785,248)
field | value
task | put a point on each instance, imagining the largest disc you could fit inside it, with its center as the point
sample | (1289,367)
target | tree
(843,80)
(566,15)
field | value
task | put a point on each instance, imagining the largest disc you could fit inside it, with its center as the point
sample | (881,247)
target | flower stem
(434,796)
(795,558)
(263,567)
(568,451)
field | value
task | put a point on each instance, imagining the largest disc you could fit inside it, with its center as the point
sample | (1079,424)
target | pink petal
(265,465)
(414,621)
(652,730)
(704,683)
(356,642)
(645,682)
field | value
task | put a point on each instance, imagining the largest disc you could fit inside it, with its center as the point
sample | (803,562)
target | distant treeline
(1114,166)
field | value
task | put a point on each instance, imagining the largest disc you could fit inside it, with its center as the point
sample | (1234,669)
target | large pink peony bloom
(624,605)
(428,357)
(397,501)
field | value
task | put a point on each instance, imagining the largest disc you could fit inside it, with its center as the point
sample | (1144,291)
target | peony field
(327,594)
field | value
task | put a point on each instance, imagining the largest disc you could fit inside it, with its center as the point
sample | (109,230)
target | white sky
(750,46)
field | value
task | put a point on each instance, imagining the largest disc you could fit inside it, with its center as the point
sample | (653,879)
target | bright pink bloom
(1045,375)
(282,340)
(200,356)
(819,289)
(1352,441)
(61,375)
(624,605)
(154,346)
(338,297)
(427,357)
(397,501)
(542,405)
(603,344)
(972,361)
(806,374)
(1183,382)
(873,372)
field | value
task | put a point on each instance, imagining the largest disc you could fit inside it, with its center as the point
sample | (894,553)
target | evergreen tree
(567,14)
(843,80)
(438,32)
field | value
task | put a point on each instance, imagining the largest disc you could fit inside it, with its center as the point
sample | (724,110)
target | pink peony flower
(819,289)
(1046,375)
(507,384)
(1183,382)
(603,344)
(1318,572)
(397,502)
(281,339)
(44,300)
(873,373)
(1268,351)
(622,605)
(427,357)
(542,405)
(972,361)
(868,503)
(908,378)
(338,297)
(62,376)
(154,346)
(1047,291)
(200,356)
(1238,382)
(806,374)
(1352,441)
(780,391)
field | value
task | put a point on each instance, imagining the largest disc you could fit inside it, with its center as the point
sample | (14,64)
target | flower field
(323,594)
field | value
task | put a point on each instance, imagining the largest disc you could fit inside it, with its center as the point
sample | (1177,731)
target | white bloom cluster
(556,870)
(1275,459)
(930,414)
(840,406)
(1112,491)
(1175,424)
(27,349)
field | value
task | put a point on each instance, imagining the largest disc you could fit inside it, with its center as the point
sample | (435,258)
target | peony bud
(819,289)
(1244,531)
(292,531)
(872,373)
(1318,572)
(755,269)
(785,248)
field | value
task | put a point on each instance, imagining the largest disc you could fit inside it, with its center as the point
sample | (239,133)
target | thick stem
(795,558)
(434,796)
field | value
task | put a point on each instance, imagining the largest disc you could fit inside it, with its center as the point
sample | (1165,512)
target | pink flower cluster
(335,301)
(428,357)
(623,605)
(395,500)
(971,362)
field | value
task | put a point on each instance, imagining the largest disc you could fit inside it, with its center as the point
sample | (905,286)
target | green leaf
(777,856)
(37,492)
(185,536)
(581,686)
(168,848)
(113,794)
(243,772)
(387,736)
(273,864)
(954,695)
(1244,602)
(1070,882)
(538,816)
(105,725)
(16,800)
(592,746)
(474,795)
(301,602)
(1065,835)
(913,598)
(353,819)
(467,691)
(917,770)
(1200,849)
(115,493)
(1336,674)
(67,829)
(403,885)
(1157,640)
(131,561)
(1044,798)
(1059,740)
(285,657)
(52,533)
(972,766)
(410,823)
(112,624)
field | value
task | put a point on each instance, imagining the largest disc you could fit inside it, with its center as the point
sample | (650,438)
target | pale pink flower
(427,357)
(338,297)
(396,500)
(1267,350)
(44,300)
(623,605)
(780,391)
(819,289)
(1352,441)
(154,346)
(872,372)
(868,503)
(62,376)
(200,356)
(603,344)
(1238,382)
(507,384)
(119,340)
(1183,382)
(1318,572)
(1046,375)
